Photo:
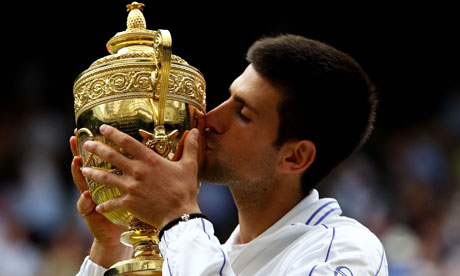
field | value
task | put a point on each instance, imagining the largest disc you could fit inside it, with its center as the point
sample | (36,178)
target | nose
(217,119)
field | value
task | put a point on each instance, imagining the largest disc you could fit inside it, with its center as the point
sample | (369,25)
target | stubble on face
(250,181)
(214,172)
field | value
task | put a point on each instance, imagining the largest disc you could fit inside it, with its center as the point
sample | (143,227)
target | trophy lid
(133,69)
(136,32)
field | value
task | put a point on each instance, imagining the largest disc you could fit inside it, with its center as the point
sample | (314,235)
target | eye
(242,117)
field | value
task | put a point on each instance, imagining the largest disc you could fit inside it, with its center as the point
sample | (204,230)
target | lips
(207,147)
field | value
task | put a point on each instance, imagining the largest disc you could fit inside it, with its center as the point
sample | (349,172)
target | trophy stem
(146,258)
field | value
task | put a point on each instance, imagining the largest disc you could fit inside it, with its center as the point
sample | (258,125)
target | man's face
(239,149)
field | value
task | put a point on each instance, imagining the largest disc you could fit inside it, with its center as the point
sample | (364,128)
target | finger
(85,204)
(180,147)
(191,147)
(111,205)
(109,154)
(104,177)
(75,131)
(78,177)
(73,145)
(135,148)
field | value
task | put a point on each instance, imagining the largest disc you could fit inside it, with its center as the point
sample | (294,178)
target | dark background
(410,53)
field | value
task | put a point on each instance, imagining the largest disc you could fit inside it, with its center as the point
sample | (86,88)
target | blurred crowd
(403,185)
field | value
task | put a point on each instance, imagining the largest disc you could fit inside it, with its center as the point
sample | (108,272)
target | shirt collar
(296,214)
(310,211)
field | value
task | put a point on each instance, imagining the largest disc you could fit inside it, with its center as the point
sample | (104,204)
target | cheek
(246,151)
(243,143)
(233,148)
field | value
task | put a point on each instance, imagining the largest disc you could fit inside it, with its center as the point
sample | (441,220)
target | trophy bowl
(150,94)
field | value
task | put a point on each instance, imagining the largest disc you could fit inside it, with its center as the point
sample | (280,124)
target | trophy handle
(159,141)
(162,46)
(91,137)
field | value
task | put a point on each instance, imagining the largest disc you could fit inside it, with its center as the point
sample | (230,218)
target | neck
(257,213)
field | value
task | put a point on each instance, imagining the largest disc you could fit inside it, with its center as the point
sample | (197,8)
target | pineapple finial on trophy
(135,5)
(136,32)
(135,19)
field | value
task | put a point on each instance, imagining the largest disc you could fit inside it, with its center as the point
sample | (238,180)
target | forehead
(256,91)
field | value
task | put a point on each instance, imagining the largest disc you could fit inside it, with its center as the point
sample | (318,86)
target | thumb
(85,204)
(180,147)
(191,146)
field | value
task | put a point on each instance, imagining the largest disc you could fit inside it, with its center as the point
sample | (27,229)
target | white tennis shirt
(311,239)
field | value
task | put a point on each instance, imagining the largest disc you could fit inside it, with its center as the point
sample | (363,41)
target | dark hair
(327,98)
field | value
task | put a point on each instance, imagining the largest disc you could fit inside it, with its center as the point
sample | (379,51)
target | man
(298,110)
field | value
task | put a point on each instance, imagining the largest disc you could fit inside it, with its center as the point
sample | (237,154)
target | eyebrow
(240,100)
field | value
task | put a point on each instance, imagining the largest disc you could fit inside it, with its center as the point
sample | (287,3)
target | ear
(296,156)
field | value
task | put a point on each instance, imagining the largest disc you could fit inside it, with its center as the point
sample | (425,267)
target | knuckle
(110,155)
(124,141)
(130,189)
(125,201)
(151,159)
(105,177)
(138,174)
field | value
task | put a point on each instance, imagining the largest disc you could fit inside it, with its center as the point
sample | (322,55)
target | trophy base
(146,259)
(135,267)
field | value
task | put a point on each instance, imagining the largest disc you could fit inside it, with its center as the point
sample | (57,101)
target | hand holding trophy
(146,92)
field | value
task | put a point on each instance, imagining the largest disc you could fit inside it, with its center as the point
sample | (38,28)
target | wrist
(175,221)
(106,255)
(177,212)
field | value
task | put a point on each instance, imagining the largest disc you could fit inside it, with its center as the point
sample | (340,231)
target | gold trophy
(150,94)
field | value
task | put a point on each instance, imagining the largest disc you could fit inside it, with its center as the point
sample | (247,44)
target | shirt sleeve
(88,268)
(190,248)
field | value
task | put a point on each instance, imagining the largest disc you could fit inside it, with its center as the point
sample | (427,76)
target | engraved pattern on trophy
(185,84)
(148,93)
(117,81)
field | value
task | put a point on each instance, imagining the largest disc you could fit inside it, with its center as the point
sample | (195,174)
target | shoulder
(344,232)
(352,236)
(341,245)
